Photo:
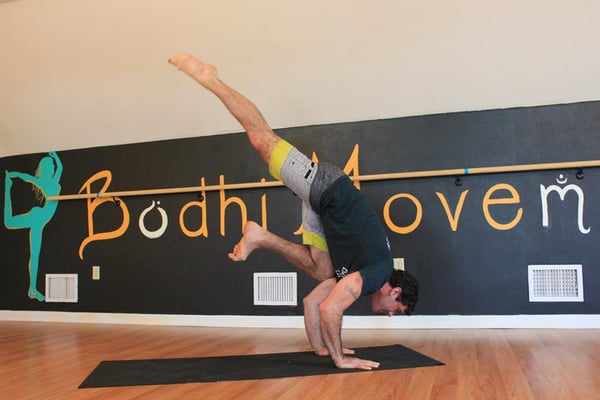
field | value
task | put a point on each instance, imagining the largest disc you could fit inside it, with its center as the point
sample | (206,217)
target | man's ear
(396,292)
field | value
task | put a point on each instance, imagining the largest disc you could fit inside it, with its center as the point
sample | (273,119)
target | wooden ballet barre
(362,178)
(479,170)
(187,189)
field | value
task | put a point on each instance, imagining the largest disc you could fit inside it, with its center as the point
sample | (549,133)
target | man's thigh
(323,262)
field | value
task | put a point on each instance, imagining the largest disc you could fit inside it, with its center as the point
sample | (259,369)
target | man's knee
(308,301)
(265,145)
(277,156)
(323,264)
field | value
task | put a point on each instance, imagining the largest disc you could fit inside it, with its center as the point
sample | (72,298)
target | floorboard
(50,360)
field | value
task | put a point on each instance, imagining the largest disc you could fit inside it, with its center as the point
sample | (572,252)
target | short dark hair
(410,289)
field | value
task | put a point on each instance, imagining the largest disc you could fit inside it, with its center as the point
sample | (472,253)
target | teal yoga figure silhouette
(45,183)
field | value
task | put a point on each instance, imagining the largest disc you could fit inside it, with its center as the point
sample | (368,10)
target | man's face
(384,301)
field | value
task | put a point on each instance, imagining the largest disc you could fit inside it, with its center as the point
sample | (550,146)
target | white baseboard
(350,322)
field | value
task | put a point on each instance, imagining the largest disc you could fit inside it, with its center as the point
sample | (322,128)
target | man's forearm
(313,329)
(312,315)
(331,311)
(331,330)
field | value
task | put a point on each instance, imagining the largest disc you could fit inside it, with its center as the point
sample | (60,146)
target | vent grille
(555,283)
(61,288)
(275,289)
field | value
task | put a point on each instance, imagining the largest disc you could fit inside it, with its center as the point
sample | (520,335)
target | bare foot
(200,71)
(249,242)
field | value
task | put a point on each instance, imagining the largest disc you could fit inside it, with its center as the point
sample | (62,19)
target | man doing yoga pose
(344,247)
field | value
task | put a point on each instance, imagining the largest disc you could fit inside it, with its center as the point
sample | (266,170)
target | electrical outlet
(96,272)
(399,264)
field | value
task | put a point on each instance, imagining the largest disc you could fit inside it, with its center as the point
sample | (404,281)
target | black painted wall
(476,269)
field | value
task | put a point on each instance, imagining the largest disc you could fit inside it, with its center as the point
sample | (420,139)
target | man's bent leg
(312,261)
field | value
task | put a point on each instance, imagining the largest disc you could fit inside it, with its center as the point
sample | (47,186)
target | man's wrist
(322,351)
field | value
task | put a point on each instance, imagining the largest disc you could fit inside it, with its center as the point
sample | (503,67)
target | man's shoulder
(375,275)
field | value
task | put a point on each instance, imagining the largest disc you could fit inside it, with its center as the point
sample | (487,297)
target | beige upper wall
(82,73)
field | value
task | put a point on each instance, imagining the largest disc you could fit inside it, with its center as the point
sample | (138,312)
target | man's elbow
(309,302)
(329,310)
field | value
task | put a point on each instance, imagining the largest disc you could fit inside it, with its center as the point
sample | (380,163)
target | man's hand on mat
(324,352)
(356,363)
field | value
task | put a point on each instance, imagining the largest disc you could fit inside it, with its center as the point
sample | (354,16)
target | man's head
(410,289)
(398,296)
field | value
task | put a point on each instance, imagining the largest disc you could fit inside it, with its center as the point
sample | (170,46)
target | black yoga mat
(235,368)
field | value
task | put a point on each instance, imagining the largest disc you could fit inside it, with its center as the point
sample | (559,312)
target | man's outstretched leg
(260,134)
(313,261)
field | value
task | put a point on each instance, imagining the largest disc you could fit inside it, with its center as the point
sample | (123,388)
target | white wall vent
(275,289)
(555,283)
(61,288)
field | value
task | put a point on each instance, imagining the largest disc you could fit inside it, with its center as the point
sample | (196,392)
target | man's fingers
(367,364)
(370,365)
(357,363)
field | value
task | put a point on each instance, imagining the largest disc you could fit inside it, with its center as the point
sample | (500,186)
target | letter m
(562,192)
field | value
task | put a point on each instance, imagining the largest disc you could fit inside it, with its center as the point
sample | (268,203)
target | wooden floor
(50,360)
